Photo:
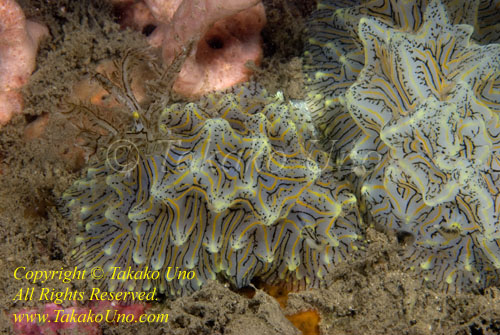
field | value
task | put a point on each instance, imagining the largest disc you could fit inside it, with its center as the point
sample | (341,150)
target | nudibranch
(335,56)
(236,188)
(422,110)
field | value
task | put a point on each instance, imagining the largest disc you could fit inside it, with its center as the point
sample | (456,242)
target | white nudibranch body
(231,195)
(419,89)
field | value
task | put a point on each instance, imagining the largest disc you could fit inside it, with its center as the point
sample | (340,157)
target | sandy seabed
(371,295)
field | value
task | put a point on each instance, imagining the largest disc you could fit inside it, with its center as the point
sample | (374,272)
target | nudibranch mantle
(240,188)
(428,102)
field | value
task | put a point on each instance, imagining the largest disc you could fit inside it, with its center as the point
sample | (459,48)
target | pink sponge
(19,40)
(226,35)
(218,61)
